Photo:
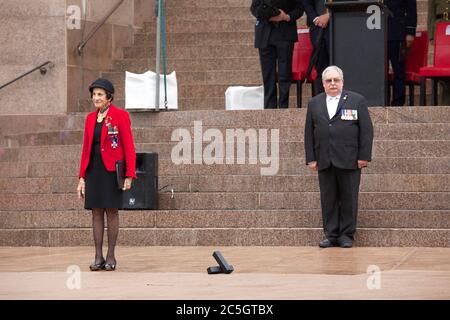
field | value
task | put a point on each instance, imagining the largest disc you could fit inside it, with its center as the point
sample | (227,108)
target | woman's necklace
(102,114)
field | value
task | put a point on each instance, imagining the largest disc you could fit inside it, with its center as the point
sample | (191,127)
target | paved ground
(173,273)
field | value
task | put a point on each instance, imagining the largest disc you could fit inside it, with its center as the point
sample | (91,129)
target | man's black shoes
(326,243)
(346,244)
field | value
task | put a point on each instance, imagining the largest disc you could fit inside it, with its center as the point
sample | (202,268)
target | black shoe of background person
(326,243)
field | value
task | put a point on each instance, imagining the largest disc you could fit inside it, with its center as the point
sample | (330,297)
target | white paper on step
(140,90)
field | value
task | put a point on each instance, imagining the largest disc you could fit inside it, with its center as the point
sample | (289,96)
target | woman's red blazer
(119,122)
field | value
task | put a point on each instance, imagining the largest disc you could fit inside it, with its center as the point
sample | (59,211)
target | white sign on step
(140,90)
(244,98)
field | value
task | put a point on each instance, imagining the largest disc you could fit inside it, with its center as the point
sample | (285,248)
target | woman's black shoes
(98,266)
(110,267)
(103,266)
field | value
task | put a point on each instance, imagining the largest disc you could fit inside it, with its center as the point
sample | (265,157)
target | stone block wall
(34,31)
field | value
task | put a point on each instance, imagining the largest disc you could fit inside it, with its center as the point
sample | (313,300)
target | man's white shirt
(332,105)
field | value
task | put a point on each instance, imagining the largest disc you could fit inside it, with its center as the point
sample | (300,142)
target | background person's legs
(284,54)
(268,58)
(323,58)
(444,94)
(398,66)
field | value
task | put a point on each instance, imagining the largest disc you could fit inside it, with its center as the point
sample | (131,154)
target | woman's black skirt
(101,186)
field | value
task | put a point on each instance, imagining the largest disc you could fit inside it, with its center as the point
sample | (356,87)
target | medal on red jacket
(113,134)
(114,142)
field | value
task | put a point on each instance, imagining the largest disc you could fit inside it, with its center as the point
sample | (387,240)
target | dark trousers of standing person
(278,54)
(339,190)
(323,58)
(398,66)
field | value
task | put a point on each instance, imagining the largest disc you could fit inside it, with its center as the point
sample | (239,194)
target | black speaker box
(143,194)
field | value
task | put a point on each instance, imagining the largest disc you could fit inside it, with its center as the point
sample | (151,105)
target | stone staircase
(405,193)
(209,45)
(404,200)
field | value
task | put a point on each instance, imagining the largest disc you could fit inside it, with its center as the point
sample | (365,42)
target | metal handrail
(41,68)
(83,43)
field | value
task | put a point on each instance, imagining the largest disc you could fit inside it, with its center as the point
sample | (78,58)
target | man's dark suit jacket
(282,31)
(336,141)
(313,9)
(404,19)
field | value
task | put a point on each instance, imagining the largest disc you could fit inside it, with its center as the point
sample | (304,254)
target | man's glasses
(335,80)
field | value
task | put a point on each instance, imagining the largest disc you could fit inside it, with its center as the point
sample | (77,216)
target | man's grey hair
(333,68)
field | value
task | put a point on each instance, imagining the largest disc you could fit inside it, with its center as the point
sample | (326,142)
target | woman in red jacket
(107,139)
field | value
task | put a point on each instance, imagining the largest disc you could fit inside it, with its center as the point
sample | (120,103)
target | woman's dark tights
(98,223)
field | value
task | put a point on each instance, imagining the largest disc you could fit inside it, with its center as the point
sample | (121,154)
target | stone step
(193,104)
(207,90)
(292,166)
(197,39)
(16,124)
(373,237)
(308,183)
(294,116)
(202,4)
(207,104)
(403,131)
(208,94)
(241,201)
(190,13)
(184,104)
(181,25)
(201,81)
(45,138)
(385,148)
(296,166)
(194,90)
(167,219)
(189,65)
(194,52)
(229,77)
(196,104)
(241,183)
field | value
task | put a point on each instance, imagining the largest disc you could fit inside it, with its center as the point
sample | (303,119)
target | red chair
(416,59)
(300,60)
(441,66)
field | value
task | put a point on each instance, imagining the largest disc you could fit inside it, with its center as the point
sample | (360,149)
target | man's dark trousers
(401,22)
(323,58)
(339,198)
(280,51)
(398,66)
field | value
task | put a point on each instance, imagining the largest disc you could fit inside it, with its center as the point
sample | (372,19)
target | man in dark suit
(275,37)
(317,21)
(401,32)
(338,143)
